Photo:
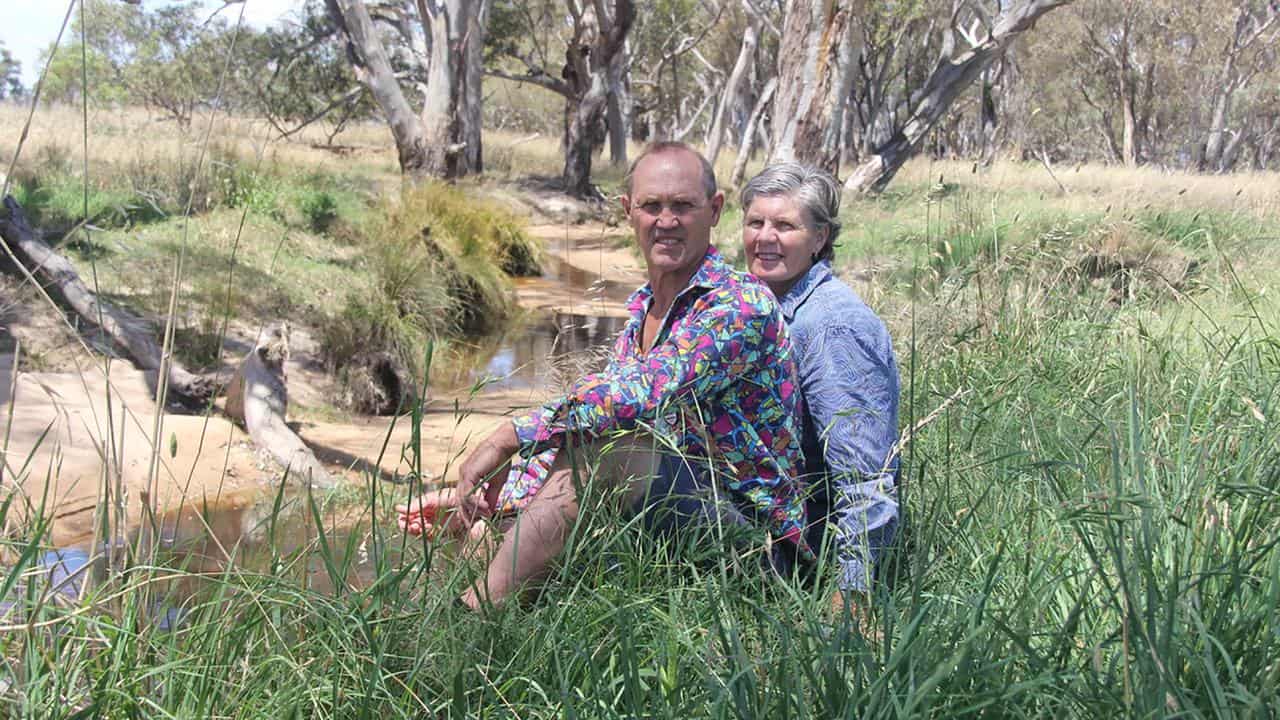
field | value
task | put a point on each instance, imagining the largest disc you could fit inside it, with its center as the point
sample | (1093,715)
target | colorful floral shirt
(718,383)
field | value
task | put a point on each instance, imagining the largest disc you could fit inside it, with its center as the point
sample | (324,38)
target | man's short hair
(666,146)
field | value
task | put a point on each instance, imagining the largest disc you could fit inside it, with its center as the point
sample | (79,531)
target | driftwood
(257,397)
(59,278)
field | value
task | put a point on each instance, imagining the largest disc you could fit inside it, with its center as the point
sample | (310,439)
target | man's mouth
(667,241)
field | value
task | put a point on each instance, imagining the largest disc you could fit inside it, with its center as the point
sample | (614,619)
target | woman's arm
(850,382)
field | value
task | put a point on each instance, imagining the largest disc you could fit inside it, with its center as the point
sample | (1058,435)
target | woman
(848,374)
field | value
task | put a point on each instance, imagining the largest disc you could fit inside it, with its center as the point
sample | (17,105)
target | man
(704,366)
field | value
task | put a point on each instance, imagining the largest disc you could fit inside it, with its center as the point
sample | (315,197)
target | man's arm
(730,341)
(851,390)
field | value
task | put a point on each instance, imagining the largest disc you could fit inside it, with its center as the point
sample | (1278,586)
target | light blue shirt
(849,382)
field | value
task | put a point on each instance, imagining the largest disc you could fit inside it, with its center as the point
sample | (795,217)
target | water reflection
(255,532)
(549,352)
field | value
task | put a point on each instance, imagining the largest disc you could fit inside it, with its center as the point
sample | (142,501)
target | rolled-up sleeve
(851,387)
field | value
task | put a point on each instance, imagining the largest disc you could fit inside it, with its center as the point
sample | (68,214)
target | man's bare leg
(542,528)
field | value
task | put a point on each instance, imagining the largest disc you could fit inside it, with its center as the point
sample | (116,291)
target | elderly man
(704,366)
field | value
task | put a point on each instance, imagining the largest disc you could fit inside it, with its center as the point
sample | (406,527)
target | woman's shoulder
(834,308)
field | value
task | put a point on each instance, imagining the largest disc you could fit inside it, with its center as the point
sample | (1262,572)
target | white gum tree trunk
(443,140)
(955,72)
(815,63)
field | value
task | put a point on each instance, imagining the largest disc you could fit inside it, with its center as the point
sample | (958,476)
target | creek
(569,318)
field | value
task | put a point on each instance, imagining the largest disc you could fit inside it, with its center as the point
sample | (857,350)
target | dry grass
(1091,188)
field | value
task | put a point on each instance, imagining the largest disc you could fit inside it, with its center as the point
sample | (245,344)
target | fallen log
(258,398)
(59,278)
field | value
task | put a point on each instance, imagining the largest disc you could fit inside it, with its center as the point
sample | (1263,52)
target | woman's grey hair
(815,190)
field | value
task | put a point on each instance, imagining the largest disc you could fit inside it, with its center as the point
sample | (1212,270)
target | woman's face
(779,241)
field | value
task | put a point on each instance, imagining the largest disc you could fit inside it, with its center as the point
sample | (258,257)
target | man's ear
(626,204)
(717,204)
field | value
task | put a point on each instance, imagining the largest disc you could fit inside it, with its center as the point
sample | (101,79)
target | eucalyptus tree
(974,36)
(442,138)
(10,74)
(1248,46)
(569,51)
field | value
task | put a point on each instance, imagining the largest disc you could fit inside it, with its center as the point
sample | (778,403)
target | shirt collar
(711,273)
(800,292)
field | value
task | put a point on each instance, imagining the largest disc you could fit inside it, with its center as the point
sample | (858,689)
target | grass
(1090,526)
(1090,532)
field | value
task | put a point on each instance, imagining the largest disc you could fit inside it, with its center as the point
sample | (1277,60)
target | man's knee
(624,464)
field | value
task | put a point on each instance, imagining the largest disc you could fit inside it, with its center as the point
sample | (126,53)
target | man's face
(670,211)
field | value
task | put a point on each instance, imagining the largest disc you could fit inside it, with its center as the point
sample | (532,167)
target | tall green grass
(1090,531)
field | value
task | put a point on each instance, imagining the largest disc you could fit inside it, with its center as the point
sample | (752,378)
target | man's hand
(454,511)
(493,454)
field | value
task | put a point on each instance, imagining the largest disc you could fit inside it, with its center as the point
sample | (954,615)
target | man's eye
(681,207)
(652,207)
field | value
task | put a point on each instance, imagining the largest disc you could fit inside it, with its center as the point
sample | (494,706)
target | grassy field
(1092,505)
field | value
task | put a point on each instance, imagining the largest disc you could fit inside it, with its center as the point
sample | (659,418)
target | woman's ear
(821,237)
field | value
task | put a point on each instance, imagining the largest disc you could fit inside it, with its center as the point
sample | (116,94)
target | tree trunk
(584,118)
(58,276)
(988,120)
(258,397)
(814,73)
(1217,127)
(949,78)
(587,69)
(373,70)
(750,37)
(749,133)
(451,110)
(444,140)
(618,111)
(1129,138)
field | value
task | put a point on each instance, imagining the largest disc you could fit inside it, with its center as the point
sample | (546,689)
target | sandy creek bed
(77,439)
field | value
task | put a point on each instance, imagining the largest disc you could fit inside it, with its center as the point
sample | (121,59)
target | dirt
(77,441)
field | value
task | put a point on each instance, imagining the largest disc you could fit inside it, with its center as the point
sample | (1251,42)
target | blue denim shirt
(849,382)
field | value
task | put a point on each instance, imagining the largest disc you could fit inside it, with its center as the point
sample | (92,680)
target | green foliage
(299,74)
(439,262)
(319,208)
(10,74)
(170,59)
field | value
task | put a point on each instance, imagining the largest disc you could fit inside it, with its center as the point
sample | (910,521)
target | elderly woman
(848,375)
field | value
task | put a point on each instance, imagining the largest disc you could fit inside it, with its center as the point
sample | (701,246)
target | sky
(29,26)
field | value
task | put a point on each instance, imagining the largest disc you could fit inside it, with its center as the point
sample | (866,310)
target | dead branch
(59,279)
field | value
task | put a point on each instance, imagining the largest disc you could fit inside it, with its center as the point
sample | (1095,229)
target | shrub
(319,209)
(440,263)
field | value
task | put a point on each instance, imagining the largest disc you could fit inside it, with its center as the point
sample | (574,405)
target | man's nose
(668,217)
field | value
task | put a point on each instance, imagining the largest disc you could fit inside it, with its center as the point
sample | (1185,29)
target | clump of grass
(473,228)
(320,210)
(439,264)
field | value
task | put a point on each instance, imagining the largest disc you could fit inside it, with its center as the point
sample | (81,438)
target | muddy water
(569,320)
